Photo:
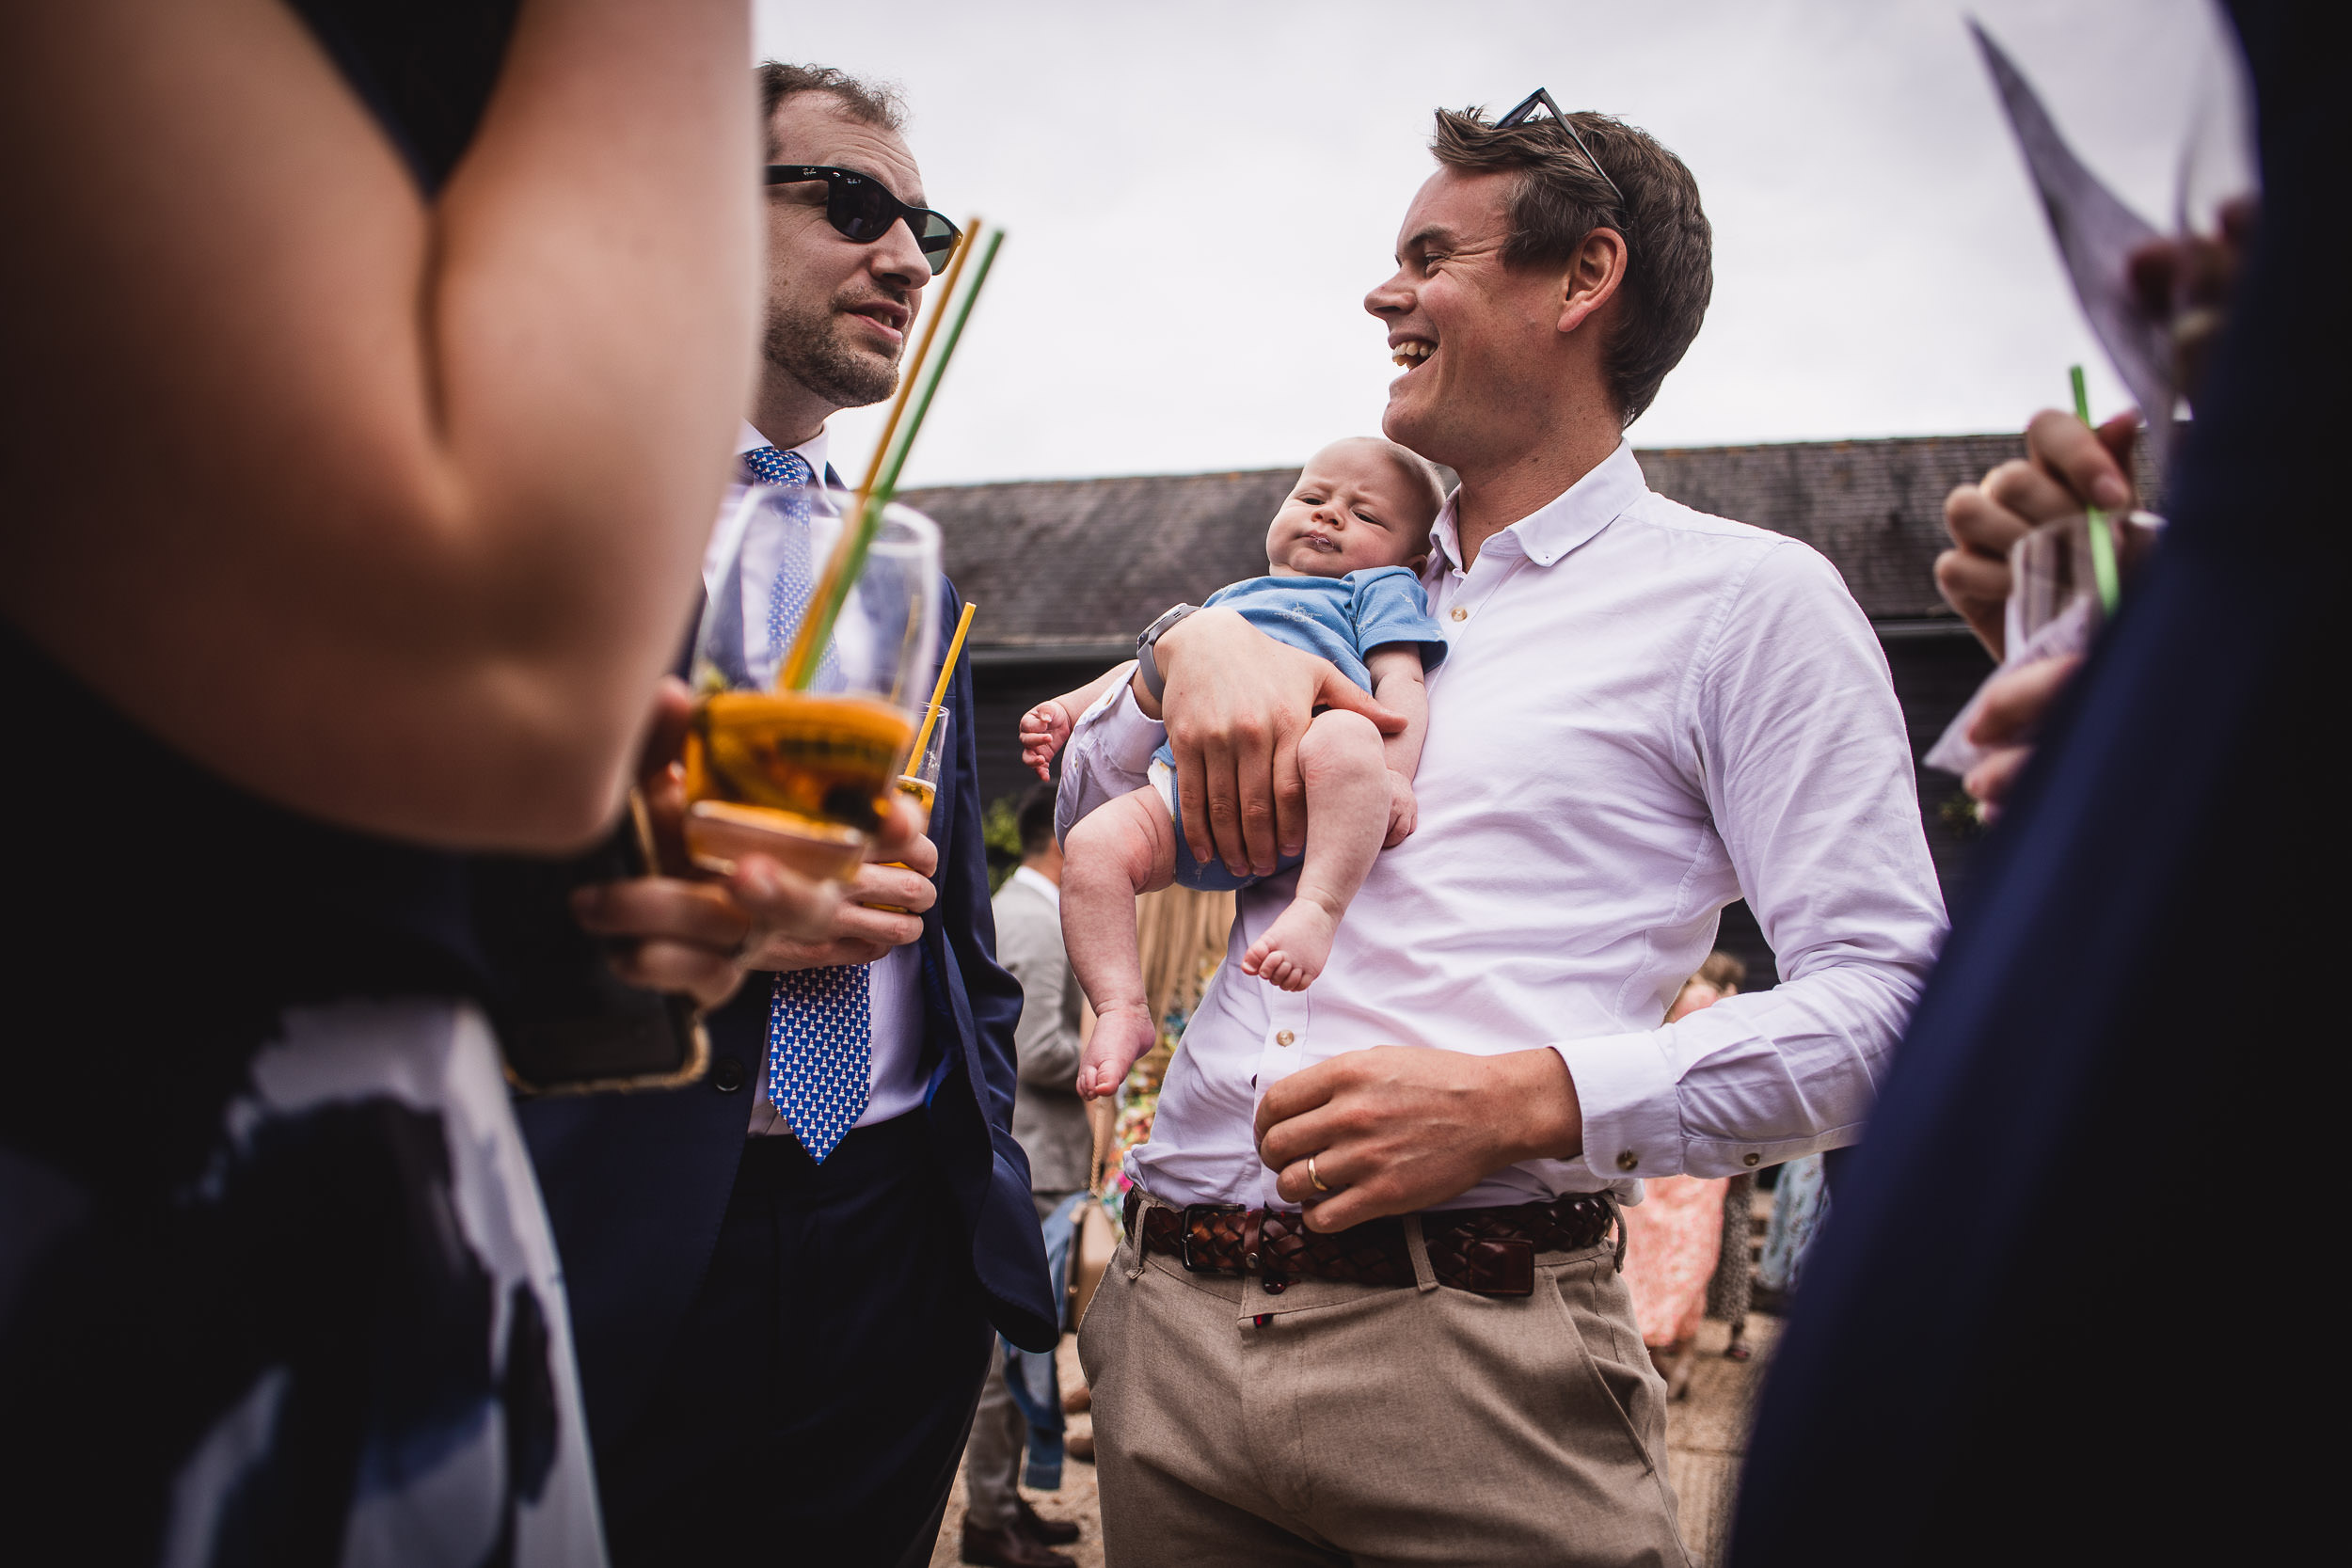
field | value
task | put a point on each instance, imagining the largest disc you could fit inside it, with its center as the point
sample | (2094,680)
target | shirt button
(1628,1160)
(1285,1038)
(1460,613)
(1749,1159)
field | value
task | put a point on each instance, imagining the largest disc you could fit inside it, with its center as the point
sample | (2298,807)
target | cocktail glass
(806,776)
(920,781)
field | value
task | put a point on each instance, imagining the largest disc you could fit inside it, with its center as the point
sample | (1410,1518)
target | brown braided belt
(1490,1251)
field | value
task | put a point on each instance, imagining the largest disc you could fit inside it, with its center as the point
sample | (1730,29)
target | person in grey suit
(1049,1122)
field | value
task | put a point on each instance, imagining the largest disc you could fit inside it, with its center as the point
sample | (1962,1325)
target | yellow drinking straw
(800,661)
(947,670)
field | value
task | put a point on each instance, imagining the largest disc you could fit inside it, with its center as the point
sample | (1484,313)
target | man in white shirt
(1645,713)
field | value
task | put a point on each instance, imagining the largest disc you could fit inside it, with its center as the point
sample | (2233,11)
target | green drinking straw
(888,485)
(2102,542)
(802,668)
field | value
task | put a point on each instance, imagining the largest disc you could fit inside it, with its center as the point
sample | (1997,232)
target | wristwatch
(1146,663)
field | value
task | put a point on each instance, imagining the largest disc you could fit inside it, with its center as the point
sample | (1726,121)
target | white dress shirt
(1644,713)
(896,979)
(1046,887)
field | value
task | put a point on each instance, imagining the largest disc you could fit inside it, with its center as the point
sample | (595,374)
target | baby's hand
(1044,729)
(1404,809)
(1120,1038)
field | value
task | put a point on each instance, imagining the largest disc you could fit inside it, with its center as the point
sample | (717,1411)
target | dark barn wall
(1002,692)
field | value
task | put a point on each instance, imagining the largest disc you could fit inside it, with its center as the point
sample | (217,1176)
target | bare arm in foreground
(387,508)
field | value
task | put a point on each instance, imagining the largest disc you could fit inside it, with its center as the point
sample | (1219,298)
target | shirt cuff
(1629,1096)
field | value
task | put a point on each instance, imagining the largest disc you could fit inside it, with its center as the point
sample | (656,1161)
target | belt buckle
(1183,1234)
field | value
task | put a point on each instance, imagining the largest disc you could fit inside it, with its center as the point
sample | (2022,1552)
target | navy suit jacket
(637,1185)
(2036,1327)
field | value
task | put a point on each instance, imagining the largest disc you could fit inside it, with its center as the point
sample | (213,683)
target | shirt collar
(812,450)
(1042,882)
(1562,523)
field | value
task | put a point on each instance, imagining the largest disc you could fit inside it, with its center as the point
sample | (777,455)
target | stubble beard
(806,345)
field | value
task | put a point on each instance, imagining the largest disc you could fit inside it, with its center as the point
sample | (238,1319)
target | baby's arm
(1045,728)
(1396,682)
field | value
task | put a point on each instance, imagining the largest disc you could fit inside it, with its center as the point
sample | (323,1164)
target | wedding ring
(1313,1177)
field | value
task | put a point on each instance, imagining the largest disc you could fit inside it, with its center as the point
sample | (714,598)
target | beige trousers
(1340,1423)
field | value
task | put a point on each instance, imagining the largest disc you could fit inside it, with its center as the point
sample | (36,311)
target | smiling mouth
(1412,353)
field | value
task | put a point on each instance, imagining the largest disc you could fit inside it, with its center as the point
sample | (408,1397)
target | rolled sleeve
(1110,754)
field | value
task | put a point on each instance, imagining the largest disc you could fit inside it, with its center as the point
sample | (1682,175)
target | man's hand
(1393,1130)
(2185,284)
(693,934)
(1404,809)
(1237,703)
(700,936)
(2067,467)
(858,934)
(2014,702)
(1044,731)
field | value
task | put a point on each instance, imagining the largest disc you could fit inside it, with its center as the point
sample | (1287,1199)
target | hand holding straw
(947,670)
(882,477)
(2102,542)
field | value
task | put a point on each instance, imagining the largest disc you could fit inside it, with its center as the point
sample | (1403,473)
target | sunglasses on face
(861,208)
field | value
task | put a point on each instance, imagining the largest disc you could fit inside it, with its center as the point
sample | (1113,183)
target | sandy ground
(1707,1434)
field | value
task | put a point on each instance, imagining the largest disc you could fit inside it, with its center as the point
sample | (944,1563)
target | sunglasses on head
(861,208)
(1525,114)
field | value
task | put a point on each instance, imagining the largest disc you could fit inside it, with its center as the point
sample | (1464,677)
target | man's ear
(1592,276)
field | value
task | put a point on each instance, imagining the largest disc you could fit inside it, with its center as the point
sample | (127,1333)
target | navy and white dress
(275,1282)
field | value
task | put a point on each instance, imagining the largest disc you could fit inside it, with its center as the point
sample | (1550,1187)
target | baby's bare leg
(1117,852)
(1348,815)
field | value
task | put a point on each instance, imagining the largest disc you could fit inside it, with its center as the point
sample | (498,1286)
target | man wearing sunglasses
(1370,1307)
(781,1348)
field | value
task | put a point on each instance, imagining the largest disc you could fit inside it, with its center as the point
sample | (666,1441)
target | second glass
(920,781)
(806,775)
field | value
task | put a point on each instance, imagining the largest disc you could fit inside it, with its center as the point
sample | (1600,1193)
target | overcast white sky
(1198,196)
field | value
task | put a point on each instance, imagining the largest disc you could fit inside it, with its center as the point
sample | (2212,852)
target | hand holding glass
(807,776)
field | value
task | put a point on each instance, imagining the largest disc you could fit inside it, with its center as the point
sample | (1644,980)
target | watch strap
(1147,657)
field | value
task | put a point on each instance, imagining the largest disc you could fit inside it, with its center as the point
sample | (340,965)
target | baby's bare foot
(1120,1038)
(1295,950)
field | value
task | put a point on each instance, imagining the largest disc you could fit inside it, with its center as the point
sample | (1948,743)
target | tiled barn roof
(1092,560)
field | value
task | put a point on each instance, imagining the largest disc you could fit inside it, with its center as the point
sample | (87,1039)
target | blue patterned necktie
(820,1023)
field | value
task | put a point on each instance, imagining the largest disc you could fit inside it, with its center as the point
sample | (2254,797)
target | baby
(1344,557)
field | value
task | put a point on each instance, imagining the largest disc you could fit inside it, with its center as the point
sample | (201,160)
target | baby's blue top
(1340,619)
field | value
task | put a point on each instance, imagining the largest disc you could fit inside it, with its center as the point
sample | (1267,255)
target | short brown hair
(1560,199)
(1722,970)
(869,102)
